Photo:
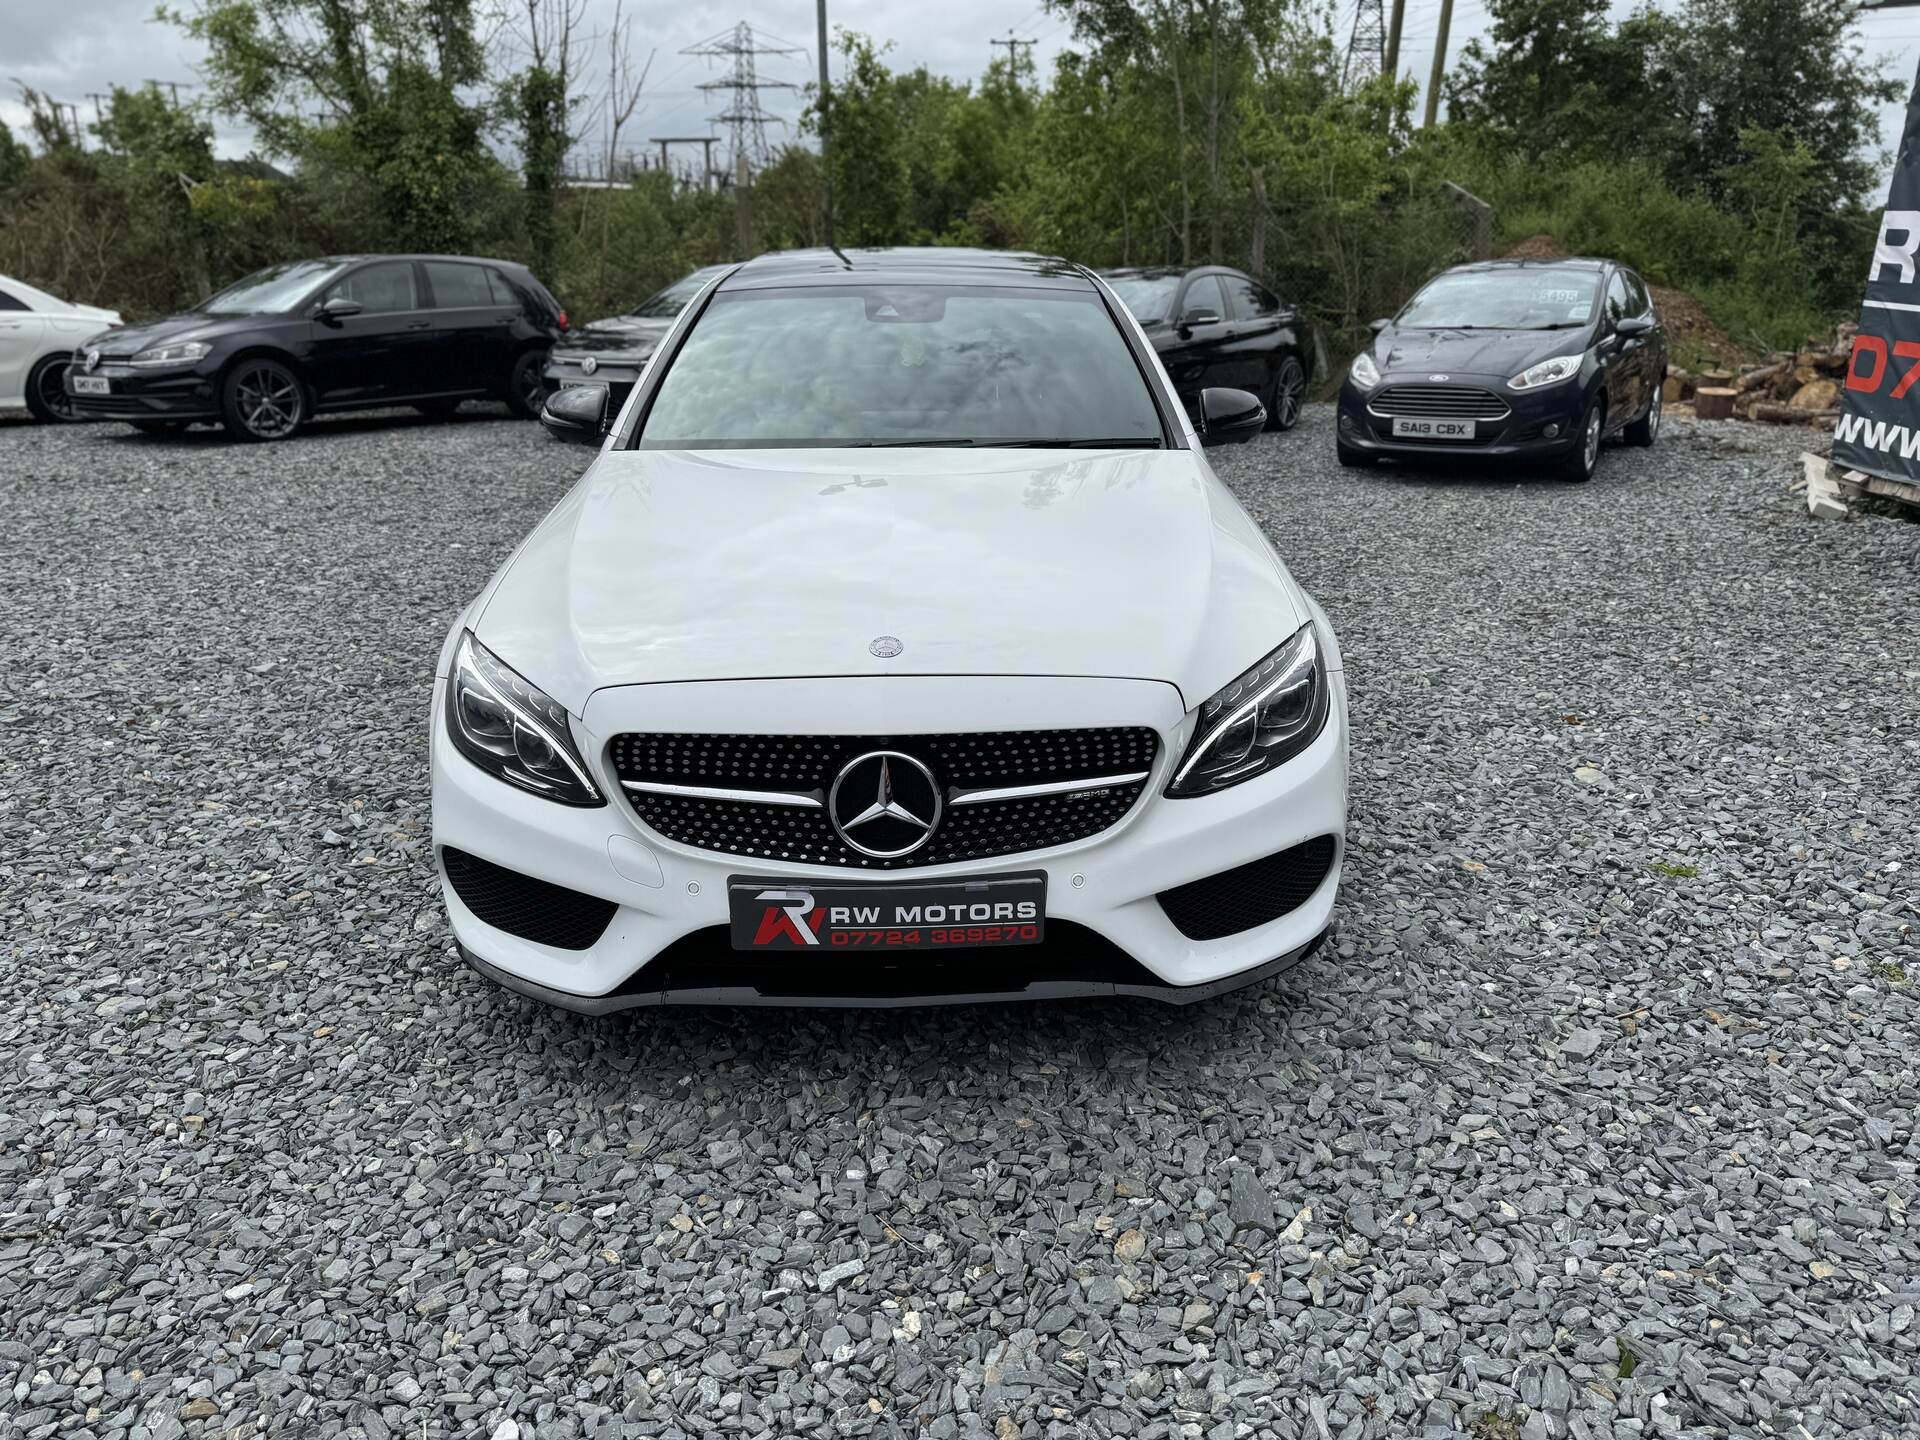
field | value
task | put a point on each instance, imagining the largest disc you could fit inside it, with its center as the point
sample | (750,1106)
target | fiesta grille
(806,765)
(535,910)
(1439,402)
(1251,894)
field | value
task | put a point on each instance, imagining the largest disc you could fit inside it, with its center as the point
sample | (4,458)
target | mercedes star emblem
(1439,379)
(884,804)
(93,361)
(589,365)
(886,647)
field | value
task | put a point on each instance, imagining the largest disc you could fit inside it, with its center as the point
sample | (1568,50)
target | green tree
(389,78)
(14,157)
(868,157)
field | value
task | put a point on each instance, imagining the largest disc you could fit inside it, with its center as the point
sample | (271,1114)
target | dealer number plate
(92,385)
(1433,429)
(985,912)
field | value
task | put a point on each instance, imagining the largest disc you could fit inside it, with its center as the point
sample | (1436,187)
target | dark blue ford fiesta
(1534,361)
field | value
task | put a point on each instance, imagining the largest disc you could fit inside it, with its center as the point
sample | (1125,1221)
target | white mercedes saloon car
(38,333)
(899,646)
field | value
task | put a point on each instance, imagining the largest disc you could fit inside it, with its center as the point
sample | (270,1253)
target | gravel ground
(1598,1119)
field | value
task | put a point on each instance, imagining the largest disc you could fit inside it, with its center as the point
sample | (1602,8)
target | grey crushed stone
(269,1158)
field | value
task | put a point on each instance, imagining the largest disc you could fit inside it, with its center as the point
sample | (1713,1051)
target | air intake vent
(521,905)
(1251,894)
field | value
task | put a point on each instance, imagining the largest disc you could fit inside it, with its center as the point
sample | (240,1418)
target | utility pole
(1393,40)
(1366,47)
(96,97)
(1014,46)
(1439,63)
(743,205)
(826,169)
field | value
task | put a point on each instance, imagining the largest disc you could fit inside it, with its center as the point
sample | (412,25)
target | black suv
(349,332)
(1214,326)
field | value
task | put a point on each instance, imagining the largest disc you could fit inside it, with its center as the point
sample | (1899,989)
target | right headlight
(1264,718)
(1365,373)
(179,352)
(1547,372)
(512,729)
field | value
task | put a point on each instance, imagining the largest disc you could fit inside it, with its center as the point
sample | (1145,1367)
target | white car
(38,334)
(899,646)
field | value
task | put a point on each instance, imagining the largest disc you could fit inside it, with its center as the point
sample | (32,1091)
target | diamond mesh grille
(965,761)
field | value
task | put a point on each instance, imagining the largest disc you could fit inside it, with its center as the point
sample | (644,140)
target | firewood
(1753,379)
(1777,414)
(1714,402)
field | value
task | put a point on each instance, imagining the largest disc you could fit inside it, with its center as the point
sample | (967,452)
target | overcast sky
(73,49)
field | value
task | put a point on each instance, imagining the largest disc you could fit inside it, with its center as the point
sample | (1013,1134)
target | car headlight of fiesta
(1364,373)
(1262,719)
(1547,372)
(179,352)
(512,729)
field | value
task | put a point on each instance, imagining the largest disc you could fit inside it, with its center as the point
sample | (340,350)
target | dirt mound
(1693,340)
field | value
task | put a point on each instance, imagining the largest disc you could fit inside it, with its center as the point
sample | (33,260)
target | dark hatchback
(1527,360)
(1213,326)
(307,337)
(609,354)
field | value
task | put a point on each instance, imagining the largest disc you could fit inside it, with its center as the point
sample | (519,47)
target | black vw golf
(348,332)
(1510,360)
(1219,327)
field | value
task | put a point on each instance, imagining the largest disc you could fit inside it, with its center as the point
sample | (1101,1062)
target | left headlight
(1264,718)
(1547,372)
(512,729)
(184,352)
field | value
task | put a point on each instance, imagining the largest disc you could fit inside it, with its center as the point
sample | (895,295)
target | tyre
(1286,394)
(526,390)
(47,394)
(262,399)
(438,409)
(1578,467)
(158,427)
(1646,429)
(1354,459)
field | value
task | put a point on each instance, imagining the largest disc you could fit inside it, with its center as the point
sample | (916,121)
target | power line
(1367,46)
(1014,46)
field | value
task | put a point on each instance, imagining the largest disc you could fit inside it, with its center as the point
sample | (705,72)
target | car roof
(1164,272)
(906,264)
(408,255)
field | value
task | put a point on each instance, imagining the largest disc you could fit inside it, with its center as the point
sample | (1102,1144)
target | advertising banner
(1879,429)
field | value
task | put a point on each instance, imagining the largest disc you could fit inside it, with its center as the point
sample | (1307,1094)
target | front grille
(808,764)
(1439,402)
(535,910)
(1250,894)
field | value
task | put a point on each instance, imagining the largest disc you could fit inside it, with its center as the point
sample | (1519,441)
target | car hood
(1472,352)
(620,335)
(188,326)
(665,566)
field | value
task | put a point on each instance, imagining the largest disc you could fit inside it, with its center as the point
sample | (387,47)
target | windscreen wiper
(1131,442)
(907,444)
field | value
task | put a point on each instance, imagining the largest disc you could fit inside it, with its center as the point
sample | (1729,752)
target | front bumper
(666,940)
(183,394)
(1521,435)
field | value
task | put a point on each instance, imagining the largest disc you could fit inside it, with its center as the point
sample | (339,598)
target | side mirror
(577,415)
(1199,315)
(339,308)
(1633,325)
(1230,417)
(1376,326)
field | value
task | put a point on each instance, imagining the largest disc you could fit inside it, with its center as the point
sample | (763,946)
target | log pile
(1794,387)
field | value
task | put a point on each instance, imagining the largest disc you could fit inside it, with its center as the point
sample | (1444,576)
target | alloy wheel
(268,400)
(532,388)
(1653,415)
(1590,447)
(53,393)
(1289,390)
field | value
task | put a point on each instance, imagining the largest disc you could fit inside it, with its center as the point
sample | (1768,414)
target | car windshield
(1149,297)
(277,288)
(1533,298)
(672,300)
(903,365)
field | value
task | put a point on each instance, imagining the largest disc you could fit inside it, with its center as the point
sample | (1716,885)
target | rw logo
(791,918)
